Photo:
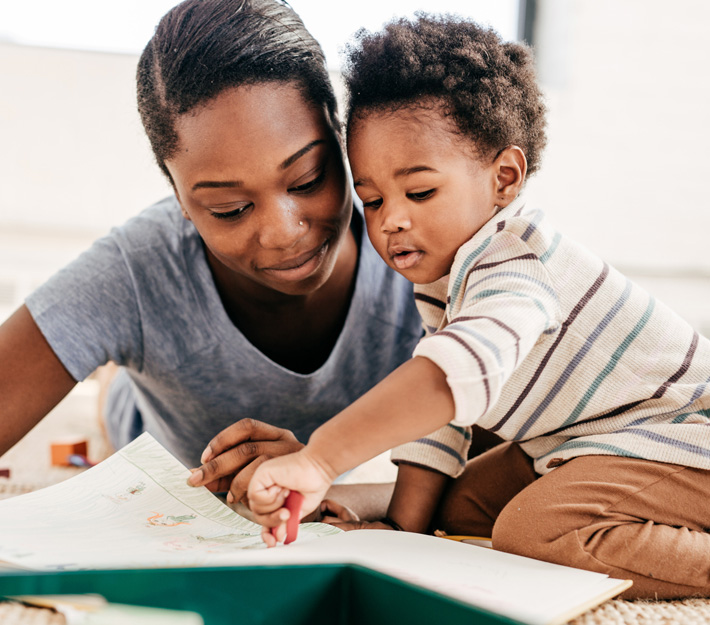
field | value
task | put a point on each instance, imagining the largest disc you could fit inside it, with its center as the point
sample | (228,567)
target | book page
(133,510)
(521,588)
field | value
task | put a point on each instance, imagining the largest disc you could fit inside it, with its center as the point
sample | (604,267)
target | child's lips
(404,257)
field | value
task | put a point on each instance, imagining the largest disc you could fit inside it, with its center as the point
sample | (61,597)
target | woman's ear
(511,168)
(185,214)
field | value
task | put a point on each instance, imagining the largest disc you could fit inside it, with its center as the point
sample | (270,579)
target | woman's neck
(296,331)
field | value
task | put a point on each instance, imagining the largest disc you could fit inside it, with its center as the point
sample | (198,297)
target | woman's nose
(282,226)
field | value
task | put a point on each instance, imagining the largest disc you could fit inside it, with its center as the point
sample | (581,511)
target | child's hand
(271,484)
(232,456)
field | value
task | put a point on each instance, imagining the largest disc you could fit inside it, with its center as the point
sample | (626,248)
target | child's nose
(395,218)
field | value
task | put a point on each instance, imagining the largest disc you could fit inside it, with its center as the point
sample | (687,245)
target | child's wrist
(327,471)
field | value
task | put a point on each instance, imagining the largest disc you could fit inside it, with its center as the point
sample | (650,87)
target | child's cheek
(379,242)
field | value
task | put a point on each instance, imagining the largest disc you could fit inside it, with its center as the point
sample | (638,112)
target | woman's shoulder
(162,221)
(158,239)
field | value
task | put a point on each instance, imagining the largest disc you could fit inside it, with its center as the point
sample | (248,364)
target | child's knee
(541,528)
(518,529)
(528,527)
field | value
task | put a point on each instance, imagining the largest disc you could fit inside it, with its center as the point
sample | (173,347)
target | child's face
(424,191)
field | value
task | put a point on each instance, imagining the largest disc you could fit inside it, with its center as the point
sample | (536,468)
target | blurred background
(624,172)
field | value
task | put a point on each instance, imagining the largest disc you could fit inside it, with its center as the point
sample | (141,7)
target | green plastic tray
(334,594)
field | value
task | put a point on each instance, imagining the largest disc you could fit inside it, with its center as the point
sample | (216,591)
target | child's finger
(268,538)
(274,525)
(272,519)
(266,500)
(279,532)
(239,485)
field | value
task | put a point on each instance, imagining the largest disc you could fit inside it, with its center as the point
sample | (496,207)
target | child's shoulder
(525,223)
(517,228)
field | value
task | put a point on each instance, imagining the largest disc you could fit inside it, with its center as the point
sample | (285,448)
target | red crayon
(293,504)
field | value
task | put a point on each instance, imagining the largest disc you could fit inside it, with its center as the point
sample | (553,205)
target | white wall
(78,158)
(74,160)
(625,170)
(627,163)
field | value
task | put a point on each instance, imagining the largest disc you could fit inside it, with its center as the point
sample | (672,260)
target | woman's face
(261,177)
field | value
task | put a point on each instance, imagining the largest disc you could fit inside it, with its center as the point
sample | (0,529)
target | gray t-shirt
(144,297)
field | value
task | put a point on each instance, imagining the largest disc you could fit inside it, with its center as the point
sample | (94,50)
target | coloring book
(135,510)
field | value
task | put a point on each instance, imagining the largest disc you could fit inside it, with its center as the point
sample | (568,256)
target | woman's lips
(299,267)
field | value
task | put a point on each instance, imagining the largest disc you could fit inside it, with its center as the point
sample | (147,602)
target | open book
(135,510)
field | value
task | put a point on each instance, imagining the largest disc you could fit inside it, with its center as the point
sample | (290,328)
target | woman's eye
(233,214)
(421,195)
(310,185)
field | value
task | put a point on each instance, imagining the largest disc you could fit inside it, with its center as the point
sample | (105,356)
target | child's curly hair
(487,87)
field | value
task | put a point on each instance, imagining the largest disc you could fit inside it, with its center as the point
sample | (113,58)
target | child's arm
(415,497)
(413,401)
(412,504)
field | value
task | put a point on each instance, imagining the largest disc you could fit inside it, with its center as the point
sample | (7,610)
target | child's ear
(511,167)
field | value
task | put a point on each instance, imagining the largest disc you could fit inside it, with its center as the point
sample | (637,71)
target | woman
(252,295)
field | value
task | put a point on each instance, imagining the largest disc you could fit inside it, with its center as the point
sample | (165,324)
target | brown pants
(631,519)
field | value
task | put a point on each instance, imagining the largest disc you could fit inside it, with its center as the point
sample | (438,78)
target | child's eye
(233,214)
(373,204)
(311,185)
(421,195)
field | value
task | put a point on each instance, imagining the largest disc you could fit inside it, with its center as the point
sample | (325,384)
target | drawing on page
(170,521)
(223,543)
(127,494)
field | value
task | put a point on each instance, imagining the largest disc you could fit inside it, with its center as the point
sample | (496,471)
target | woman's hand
(344,518)
(232,457)
(274,479)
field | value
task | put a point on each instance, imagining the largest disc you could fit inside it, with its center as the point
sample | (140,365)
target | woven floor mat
(615,612)
(618,612)
(18,614)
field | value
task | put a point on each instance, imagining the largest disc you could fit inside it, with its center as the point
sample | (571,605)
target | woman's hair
(485,86)
(202,47)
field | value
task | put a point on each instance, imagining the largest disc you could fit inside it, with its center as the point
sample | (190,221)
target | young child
(601,391)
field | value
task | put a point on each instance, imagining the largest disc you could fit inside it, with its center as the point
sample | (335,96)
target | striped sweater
(547,345)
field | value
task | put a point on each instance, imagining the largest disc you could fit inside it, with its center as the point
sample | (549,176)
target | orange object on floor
(62,449)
